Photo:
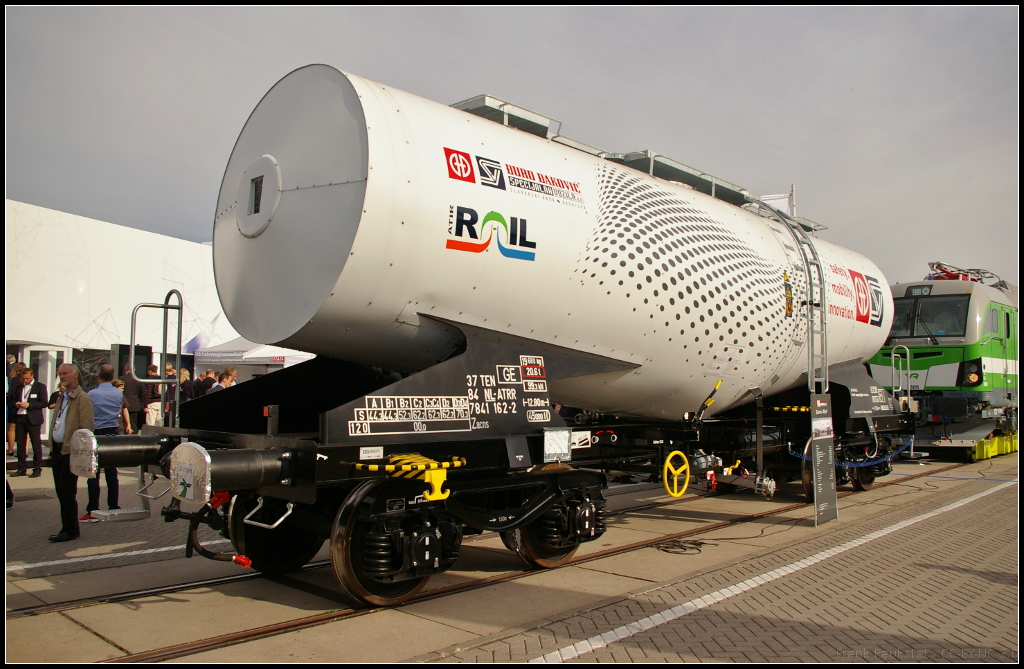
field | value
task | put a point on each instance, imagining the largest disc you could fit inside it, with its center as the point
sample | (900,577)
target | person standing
(55,395)
(208,381)
(13,381)
(223,381)
(74,412)
(185,384)
(124,422)
(232,375)
(106,405)
(154,415)
(170,406)
(135,395)
(30,401)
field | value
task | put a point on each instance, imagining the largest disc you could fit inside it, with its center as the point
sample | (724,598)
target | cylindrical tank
(352,214)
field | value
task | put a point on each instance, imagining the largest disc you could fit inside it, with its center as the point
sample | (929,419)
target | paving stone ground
(36,515)
(943,589)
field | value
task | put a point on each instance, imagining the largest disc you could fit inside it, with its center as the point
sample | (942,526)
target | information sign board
(826,506)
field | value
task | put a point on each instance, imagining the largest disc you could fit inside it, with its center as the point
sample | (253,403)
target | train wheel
(863,478)
(539,542)
(807,473)
(278,551)
(348,555)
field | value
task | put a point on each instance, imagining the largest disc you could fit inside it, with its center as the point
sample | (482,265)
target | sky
(899,126)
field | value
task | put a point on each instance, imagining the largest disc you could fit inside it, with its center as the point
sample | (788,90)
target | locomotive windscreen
(934,315)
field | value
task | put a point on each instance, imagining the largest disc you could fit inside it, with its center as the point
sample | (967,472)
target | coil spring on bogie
(377,552)
(599,525)
(551,526)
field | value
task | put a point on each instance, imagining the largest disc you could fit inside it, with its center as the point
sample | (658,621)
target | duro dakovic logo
(512,178)
(868,297)
(459,165)
(491,173)
(466,232)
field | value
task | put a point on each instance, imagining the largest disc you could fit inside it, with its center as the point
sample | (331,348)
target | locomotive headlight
(971,373)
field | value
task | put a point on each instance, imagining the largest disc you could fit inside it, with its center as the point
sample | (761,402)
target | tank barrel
(132,450)
(196,473)
(245,469)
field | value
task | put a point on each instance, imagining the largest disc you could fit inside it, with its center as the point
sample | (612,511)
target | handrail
(289,507)
(165,307)
(811,260)
(897,372)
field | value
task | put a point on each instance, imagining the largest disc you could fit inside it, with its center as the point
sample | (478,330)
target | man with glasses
(73,412)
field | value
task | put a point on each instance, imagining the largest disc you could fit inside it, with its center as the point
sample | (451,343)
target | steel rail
(72,604)
(264,631)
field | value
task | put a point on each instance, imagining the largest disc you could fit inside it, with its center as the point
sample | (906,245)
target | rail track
(347,611)
(325,593)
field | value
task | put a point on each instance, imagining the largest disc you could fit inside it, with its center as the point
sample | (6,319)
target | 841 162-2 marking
(487,395)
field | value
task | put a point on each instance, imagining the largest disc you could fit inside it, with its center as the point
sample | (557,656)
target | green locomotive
(951,357)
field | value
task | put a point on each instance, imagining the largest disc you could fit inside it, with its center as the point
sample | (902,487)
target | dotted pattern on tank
(701,286)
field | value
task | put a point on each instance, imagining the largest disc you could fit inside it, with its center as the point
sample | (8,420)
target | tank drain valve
(764,486)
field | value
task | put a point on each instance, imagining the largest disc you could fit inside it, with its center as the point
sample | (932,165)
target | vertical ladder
(817,310)
(815,301)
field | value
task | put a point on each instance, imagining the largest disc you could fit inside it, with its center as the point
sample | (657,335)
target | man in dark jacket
(30,400)
(171,395)
(154,409)
(135,395)
(208,381)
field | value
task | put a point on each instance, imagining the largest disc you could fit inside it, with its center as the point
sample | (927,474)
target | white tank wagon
(382,208)
(466,286)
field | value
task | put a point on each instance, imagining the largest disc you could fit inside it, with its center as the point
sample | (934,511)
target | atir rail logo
(466,230)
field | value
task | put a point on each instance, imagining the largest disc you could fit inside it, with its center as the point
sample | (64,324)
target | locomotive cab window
(931,316)
(992,322)
(942,316)
(901,317)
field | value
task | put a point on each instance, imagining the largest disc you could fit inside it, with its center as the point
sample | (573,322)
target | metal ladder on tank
(816,300)
(817,311)
(144,512)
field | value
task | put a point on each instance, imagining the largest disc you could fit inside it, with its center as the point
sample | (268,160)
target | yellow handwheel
(670,474)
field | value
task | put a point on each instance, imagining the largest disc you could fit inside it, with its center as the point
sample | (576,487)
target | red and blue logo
(466,232)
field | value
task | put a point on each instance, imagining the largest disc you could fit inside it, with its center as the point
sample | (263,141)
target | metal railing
(166,308)
(816,299)
(898,374)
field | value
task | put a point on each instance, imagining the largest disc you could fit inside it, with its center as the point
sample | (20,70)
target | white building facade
(71,283)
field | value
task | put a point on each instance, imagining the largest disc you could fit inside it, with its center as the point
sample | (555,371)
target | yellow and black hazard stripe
(410,465)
